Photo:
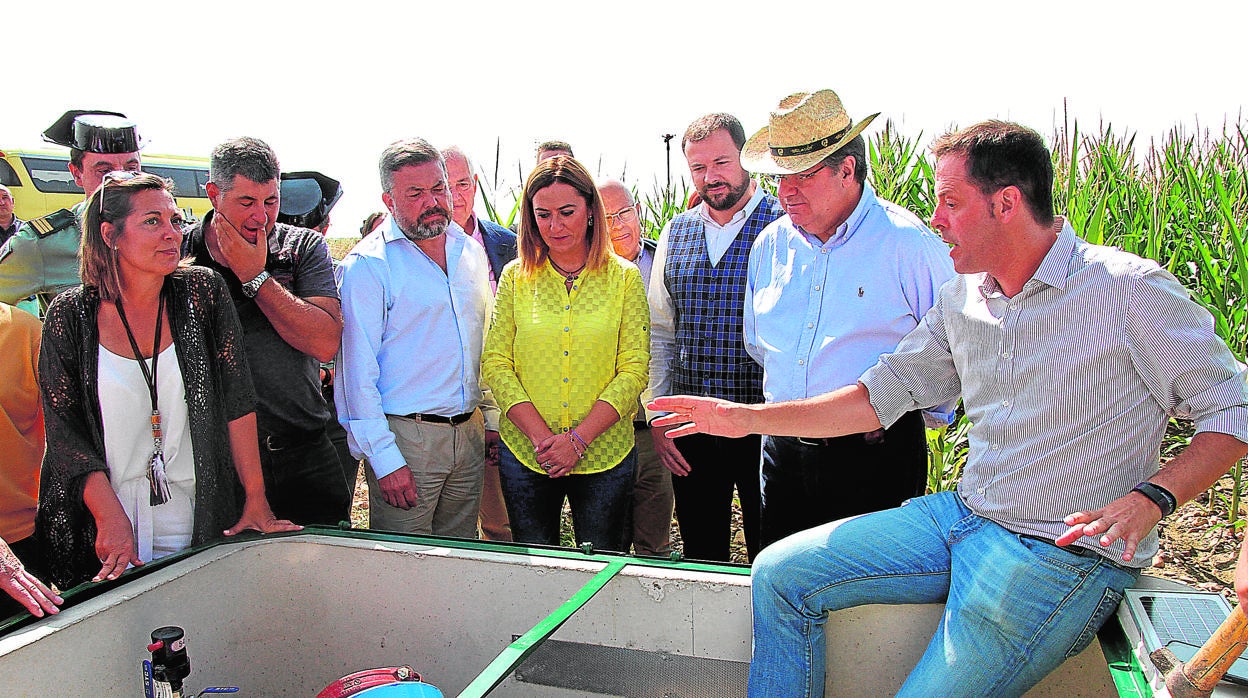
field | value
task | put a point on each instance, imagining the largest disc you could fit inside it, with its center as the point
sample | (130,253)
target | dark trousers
(303,478)
(704,496)
(809,482)
(600,503)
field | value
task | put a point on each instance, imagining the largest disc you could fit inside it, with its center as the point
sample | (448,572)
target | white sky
(328,85)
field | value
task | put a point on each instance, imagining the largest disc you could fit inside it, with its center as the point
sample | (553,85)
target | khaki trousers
(446,463)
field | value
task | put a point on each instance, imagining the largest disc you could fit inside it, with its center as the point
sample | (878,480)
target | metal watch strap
(251,288)
(1159,496)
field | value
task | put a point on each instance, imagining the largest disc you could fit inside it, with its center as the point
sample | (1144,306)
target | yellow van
(41,183)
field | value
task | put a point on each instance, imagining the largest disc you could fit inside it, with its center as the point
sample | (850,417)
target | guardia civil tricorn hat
(804,129)
(95,131)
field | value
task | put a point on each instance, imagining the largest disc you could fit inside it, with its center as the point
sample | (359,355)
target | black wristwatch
(1159,495)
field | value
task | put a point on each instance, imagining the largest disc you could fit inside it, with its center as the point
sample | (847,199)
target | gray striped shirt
(1068,385)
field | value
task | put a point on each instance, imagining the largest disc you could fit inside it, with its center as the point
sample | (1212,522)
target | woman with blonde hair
(148,403)
(567,356)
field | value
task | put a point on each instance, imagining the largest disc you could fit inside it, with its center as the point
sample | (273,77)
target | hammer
(1196,679)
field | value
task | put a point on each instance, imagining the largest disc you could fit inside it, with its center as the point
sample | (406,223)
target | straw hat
(806,128)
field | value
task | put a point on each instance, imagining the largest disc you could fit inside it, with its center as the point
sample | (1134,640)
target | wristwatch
(251,288)
(1159,495)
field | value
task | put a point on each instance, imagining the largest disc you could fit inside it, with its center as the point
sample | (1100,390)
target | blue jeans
(600,503)
(1015,607)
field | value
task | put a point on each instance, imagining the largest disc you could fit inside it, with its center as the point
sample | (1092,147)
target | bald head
(623,218)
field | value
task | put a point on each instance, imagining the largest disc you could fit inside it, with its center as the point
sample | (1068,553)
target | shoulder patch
(52,223)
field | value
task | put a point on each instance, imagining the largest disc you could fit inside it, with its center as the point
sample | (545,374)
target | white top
(126,408)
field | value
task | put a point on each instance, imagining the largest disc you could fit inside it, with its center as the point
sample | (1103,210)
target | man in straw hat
(41,259)
(832,285)
(1070,358)
(697,292)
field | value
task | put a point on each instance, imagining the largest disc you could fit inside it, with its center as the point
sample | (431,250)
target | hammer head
(1177,682)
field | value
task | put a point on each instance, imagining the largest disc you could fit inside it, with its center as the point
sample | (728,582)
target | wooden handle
(1216,655)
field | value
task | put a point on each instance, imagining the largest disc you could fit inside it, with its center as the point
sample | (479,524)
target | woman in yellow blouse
(566,356)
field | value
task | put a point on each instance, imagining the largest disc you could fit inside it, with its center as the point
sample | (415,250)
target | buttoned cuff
(386,462)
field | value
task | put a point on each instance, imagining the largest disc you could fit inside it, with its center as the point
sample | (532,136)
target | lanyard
(156,475)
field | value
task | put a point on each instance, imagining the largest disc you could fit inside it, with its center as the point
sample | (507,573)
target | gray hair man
(281,279)
(9,223)
(652,487)
(416,300)
(500,248)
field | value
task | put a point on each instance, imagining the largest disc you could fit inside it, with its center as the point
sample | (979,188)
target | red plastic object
(352,684)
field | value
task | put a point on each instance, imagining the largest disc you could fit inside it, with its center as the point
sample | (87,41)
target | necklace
(156,476)
(569,276)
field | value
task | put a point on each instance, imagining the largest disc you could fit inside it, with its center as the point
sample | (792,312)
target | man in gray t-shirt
(282,281)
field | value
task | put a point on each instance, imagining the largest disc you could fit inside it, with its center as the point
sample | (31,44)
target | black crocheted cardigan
(209,344)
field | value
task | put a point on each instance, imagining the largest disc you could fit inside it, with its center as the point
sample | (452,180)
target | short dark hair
(1002,154)
(404,153)
(704,126)
(75,157)
(249,157)
(858,149)
(561,146)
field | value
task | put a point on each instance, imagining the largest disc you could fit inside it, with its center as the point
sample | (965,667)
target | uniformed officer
(41,259)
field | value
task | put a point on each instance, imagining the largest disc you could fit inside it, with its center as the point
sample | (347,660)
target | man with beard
(834,284)
(281,279)
(697,296)
(416,300)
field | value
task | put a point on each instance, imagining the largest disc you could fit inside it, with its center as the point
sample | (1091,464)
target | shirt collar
(846,230)
(705,211)
(1054,269)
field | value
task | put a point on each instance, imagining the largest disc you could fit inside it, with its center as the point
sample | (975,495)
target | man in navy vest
(832,285)
(697,296)
(500,248)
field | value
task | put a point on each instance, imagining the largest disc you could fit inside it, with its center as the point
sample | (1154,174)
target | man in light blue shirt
(416,300)
(832,285)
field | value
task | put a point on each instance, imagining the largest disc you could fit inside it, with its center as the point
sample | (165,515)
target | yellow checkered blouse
(563,351)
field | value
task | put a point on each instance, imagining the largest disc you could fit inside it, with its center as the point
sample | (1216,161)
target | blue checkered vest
(710,353)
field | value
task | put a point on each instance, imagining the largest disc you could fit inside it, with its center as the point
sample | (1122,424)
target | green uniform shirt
(41,263)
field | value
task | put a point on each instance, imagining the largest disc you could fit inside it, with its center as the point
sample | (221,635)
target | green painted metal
(515,653)
(1124,666)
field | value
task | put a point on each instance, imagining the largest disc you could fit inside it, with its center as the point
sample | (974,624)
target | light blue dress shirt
(817,315)
(412,337)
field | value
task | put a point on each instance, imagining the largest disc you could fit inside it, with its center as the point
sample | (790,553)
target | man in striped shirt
(1070,358)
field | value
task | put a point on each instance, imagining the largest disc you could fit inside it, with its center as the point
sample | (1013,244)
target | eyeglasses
(115,177)
(622,216)
(462,186)
(798,180)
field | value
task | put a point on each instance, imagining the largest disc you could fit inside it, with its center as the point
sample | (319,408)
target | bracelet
(1158,495)
(577,436)
(580,453)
